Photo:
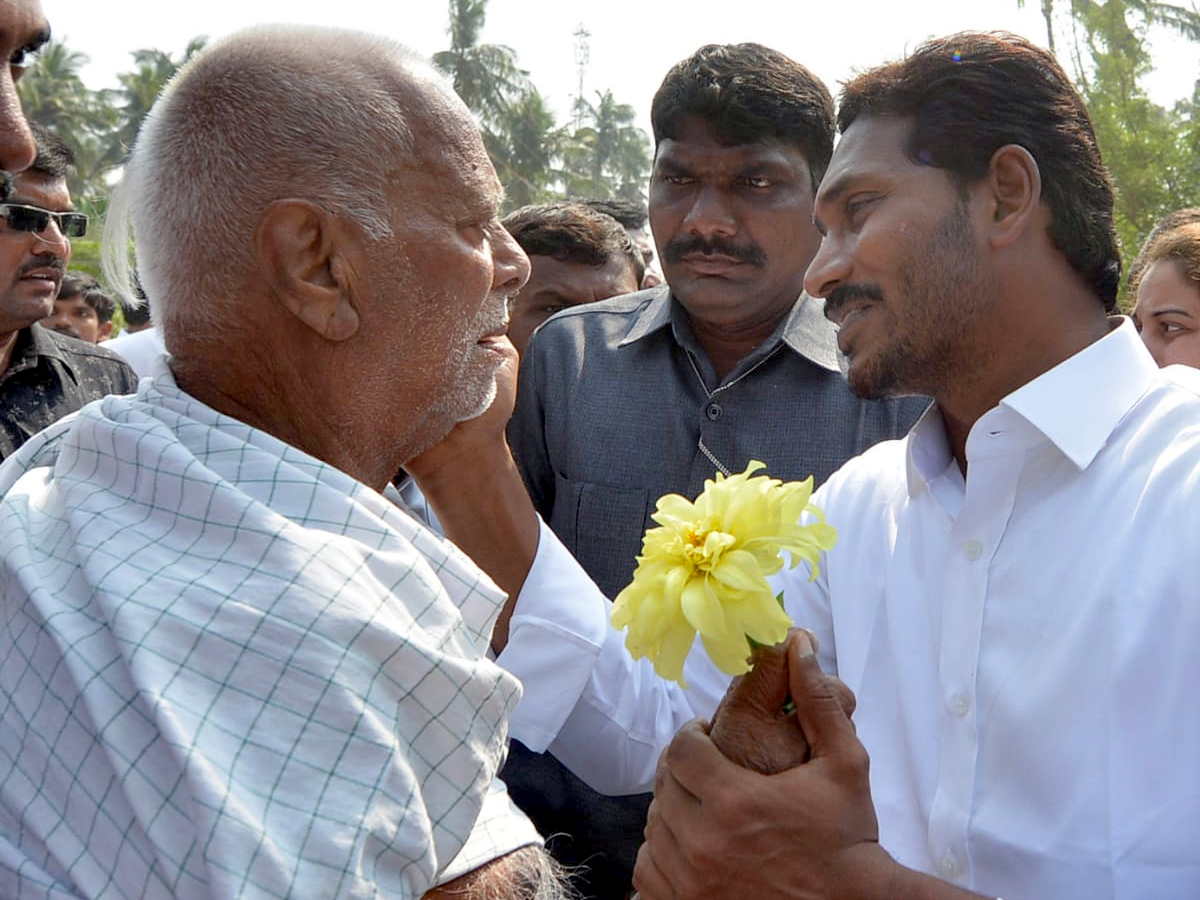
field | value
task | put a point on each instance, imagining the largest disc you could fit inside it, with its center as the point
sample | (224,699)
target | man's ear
(105,330)
(1014,182)
(299,250)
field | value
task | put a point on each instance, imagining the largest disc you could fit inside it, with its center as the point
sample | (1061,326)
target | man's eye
(677,179)
(757,181)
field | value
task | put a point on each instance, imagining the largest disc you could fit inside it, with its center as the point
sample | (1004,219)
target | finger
(845,697)
(821,715)
(663,848)
(692,765)
(648,878)
(764,689)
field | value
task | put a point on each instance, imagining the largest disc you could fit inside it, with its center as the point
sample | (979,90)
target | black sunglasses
(20,217)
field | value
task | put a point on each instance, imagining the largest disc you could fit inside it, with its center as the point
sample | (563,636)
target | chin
(481,406)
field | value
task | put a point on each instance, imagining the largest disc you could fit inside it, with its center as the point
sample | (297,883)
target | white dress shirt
(1023,642)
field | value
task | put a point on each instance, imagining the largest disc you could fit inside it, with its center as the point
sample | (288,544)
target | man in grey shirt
(631,398)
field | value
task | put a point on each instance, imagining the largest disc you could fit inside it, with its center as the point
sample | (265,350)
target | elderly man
(230,664)
(1006,596)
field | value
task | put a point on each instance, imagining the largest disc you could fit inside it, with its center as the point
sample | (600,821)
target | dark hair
(572,232)
(747,93)
(76,284)
(1169,222)
(1180,244)
(54,158)
(630,213)
(972,93)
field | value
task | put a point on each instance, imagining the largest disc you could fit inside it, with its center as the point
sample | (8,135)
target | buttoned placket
(991,485)
(713,410)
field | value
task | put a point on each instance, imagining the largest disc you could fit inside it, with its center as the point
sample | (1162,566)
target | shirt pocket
(602,525)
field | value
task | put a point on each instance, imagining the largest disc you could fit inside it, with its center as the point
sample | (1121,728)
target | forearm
(481,501)
(908,884)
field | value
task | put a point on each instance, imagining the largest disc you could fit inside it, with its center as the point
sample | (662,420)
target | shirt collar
(1077,404)
(805,330)
(1109,374)
(32,343)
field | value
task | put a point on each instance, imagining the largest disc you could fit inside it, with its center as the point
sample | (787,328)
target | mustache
(680,247)
(840,296)
(41,261)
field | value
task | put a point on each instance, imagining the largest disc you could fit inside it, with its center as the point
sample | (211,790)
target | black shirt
(51,375)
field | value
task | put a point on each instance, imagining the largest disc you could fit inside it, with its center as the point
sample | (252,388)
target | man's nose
(511,265)
(709,214)
(17,149)
(829,268)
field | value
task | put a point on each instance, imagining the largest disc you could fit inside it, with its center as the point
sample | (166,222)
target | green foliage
(1151,151)
(605,156)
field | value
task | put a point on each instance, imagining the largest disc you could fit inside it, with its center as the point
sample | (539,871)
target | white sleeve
(604,715)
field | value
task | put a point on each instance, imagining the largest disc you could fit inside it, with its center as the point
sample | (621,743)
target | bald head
(316,226)
(266,114)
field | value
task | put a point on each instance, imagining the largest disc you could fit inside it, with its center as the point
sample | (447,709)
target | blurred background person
(1165,283)
(82,309)
(634,217)
(576,255)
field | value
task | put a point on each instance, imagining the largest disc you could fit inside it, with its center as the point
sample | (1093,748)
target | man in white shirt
(231,665)
(1012,596)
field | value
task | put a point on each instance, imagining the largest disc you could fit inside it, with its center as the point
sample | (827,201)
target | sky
(631,45)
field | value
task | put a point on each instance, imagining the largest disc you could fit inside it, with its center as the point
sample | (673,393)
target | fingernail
(804,647)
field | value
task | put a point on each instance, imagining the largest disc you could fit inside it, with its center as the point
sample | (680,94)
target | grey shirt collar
(805,329)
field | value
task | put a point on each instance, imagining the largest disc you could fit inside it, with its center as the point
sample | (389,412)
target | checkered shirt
(230,670)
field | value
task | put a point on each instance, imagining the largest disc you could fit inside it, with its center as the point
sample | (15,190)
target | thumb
(821,714)
(751,727)
(764,689)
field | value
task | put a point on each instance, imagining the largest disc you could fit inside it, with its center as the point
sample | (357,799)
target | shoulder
(875,478)
(610,319)
(92,361)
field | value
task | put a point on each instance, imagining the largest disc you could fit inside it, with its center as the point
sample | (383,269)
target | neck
(726,347)
(262,396)
(7,343)
(996,375)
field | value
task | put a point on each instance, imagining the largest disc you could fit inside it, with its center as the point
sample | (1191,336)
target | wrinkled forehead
(448,145)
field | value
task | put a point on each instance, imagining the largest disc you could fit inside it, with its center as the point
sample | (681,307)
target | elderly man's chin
(482,405)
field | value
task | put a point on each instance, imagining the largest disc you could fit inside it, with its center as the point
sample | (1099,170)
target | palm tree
(53,94)
(139,90)
(526,151)
(608,155)
(485,76)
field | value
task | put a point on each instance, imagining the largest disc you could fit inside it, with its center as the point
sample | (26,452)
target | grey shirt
(618,405)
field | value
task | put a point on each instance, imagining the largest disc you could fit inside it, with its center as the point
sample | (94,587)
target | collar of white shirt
(1075,406)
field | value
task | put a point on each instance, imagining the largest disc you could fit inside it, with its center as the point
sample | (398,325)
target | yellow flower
(704,568)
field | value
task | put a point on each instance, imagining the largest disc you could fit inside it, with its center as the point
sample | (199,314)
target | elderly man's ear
(301,257)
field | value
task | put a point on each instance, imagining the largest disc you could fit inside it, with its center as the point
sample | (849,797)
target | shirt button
(713,411)
(960,705)
(972,550)
(948,866)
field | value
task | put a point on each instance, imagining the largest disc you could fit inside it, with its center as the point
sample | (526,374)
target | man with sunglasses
(43,375)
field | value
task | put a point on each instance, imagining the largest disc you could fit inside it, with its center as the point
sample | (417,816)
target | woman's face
(1168,314)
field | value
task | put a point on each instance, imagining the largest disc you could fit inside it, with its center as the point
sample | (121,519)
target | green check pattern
(230,670)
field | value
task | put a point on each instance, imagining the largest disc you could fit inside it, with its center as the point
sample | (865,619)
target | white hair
(268,113)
